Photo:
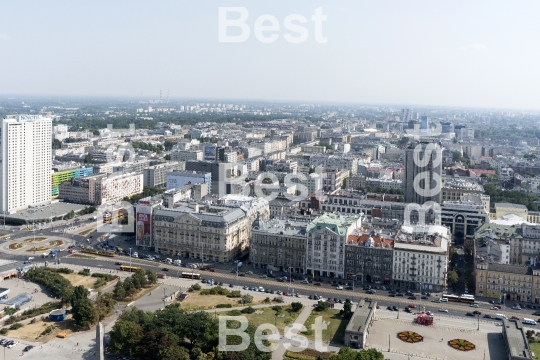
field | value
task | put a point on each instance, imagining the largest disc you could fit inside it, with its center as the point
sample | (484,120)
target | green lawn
(535,348)
(268,316)
(335,331)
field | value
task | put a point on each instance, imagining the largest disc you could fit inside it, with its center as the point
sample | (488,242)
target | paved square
(435,344)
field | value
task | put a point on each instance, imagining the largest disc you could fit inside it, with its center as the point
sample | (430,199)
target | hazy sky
(460,52)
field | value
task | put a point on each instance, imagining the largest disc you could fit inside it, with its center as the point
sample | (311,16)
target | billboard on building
(143,222)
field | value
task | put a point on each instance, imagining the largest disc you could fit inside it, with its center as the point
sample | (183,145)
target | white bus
(528,321)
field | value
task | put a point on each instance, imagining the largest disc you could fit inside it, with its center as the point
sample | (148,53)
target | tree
(452,278)
(296,306)
(95,132)
(246,299)
(88,159)
(105,305)
(85,314)
(346,353)
(56,144)
(347,310)
(126,337)
(167,157)
(119,290)
(151,276)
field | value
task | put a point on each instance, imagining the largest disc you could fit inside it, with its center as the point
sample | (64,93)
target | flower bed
(461,345)
(410,337)
(41,248)
(15,246)
(56,243)
(38,239)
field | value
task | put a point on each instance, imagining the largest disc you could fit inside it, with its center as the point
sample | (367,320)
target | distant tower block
(100,353)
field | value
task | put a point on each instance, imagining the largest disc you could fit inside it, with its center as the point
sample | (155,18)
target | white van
(500,316)
(168,260)
(528,321)
(177,262)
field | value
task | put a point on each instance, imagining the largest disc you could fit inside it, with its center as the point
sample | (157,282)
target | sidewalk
(301,319)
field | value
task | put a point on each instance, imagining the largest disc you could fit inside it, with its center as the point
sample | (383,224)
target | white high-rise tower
(26,157)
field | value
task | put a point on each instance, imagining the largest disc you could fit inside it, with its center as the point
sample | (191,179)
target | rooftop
(334,222)
(516,340)
(360,319)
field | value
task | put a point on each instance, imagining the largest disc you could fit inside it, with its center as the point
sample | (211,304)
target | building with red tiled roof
(368,257)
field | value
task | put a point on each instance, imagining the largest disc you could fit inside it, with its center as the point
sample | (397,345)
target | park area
(335,325)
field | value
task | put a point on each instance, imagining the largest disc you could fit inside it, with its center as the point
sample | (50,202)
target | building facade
(421,257)
(199,231)
(26,155)
(279,245)
(368,258)
(423,167)
(326,239)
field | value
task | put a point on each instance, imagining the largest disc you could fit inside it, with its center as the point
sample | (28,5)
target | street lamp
(353,280)
(129,259)
(290,279)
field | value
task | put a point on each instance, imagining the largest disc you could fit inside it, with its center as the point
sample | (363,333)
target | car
(429,313)
(424,297)
(392,295)
(476,312)
(249,272)
(516,307)
(470,314)
(412,306)
(13,343)
(514,318)
(395,308)
(371,291)
(407,309)
(536,313)
(280,292)
(285,293)
(317,284)
(399,294)
(495,307)
(165,269)
(245,288)
(231,285)
(311,297)
(474,305)
(263,276)
(118,263)
(297,295)
(28,348)
(443,310)
(412,297)
(389,308)
(339,287)
(488,316)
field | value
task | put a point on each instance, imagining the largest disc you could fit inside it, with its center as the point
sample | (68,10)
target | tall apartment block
(423,166)
(26,156)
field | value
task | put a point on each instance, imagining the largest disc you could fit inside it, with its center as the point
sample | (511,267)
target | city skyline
(479,56)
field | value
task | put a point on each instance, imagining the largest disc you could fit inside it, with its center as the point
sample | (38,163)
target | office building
(157,175)
(423,166)
(26,156)
(177,179)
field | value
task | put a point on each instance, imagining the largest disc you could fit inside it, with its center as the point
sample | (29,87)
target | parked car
(487,316)
(339,287)
(443,310)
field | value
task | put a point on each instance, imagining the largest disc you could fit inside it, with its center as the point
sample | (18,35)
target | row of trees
(147,146)
(134,283)
(512,196)
(85,312)
(147,191)
(173,334)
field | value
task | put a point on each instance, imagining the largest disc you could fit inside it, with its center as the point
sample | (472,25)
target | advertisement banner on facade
(142,225)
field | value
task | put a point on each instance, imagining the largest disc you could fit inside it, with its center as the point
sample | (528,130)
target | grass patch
(38,239)
(535,348)
(268,316)
(335,330)
(142,292)
(87,231)
(196,301)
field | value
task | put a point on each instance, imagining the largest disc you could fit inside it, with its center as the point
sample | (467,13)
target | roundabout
(26,244)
